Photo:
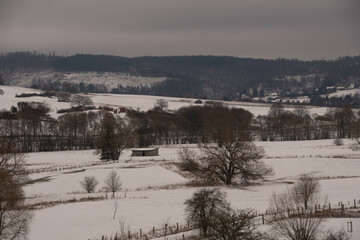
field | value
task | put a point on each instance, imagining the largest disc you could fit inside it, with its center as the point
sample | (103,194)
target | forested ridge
(215,77)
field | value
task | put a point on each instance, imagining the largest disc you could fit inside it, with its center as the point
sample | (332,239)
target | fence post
(349,226)
(153,230)
(129,234)
(140,233)
(354,203)
(177,226)
(329,206)
(263,219)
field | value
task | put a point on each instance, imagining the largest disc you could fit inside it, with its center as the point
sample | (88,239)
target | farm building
(145,152)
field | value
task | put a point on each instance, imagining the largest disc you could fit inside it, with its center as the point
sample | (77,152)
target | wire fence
(261,219)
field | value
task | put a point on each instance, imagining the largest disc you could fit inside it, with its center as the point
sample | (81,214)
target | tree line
(214,77)
(30,126)
(284,125)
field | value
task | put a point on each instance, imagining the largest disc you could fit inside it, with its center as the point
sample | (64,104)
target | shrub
(338,142)
(89,183)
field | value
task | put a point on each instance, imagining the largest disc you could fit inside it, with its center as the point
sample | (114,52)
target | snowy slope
(343,93)
(109,79)
(146,207)
(137,102)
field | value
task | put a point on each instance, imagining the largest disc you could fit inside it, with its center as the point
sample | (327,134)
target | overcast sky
(304,29)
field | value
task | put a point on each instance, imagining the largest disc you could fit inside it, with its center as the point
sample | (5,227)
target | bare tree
(290,220)
(232,224)
(307,191)
(80,101)
(237,158)
(301,111)
(89,183)
(11,160)
(161,104)
(13,220)
(337,235)
(113,183)
(188,160)
(338,142)
(63,96)
(202,207)
(114,136)
(208,210)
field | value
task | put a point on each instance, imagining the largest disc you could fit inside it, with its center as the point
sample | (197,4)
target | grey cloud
(252,28)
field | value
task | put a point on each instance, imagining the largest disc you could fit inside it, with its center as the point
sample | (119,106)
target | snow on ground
(131,179)
(109,79)
(38,160)
(9,99)
(314,148)
(137,102)
(342,223)
(148,203)
(141,209)
(83,158)
(343,93)
(94,219)
(146,207)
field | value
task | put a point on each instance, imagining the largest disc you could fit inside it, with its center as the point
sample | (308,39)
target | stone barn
(145,152)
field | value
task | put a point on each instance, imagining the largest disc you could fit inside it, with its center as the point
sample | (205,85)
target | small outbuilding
(145,152)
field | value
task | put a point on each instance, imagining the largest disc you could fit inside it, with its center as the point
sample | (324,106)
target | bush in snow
(89,183)
(338,142)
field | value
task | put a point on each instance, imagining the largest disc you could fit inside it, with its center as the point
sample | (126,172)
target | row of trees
(30,127)
(187,125)
(206,124)
(285,125)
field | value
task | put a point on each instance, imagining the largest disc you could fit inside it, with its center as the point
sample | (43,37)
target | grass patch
(76,171)
(44,179)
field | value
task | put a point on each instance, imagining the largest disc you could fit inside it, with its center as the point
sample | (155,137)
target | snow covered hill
(137,102)
(109,79)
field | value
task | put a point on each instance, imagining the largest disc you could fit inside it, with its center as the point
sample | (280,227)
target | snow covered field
(155,194)
(109,79)
(137,102)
